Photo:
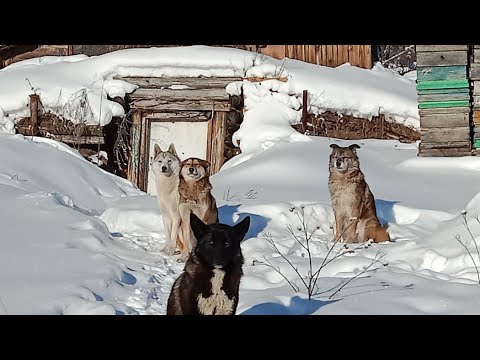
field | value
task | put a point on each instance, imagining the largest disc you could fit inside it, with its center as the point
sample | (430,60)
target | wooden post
(134,161)
(304,111)
(382,130)
(34,99)
(143,158)
(219,130)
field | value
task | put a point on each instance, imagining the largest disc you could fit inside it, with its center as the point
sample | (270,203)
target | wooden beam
(444,120)
(445,135)
(443,97)
(218,132)
(72,139)
(457,110)
(135,135)
(433,48)
(446,145)
(432,73)
(447,58)
(34,100)
(184,105)
(10,51)
(181,95)
(442,84)
(451,152)
(443,104)
(193,83)
(143,156)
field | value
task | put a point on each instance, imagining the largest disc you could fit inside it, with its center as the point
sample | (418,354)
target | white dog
(166,168)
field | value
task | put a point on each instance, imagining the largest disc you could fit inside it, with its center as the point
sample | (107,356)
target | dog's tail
(377,233)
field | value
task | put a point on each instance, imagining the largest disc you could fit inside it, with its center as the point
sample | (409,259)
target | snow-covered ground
(65,83)
(77,240)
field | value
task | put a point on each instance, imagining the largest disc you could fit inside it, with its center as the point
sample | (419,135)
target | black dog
(211,277)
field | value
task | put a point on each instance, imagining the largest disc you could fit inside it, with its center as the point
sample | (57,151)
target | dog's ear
(206,165)
(156,150)
(198,226)
(334,146)
(240,230)
(354,147)
(171,150)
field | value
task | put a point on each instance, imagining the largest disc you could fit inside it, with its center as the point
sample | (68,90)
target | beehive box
(475,79)
(443,100)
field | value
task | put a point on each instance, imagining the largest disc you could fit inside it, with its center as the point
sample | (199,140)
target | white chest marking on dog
(218,302)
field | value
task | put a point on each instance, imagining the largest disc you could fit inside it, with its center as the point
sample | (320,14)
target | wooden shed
(196,114)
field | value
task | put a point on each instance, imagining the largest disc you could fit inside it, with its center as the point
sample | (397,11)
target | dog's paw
(168,250)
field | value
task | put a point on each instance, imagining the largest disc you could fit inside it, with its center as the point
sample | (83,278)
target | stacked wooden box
(443,100)
(475,78)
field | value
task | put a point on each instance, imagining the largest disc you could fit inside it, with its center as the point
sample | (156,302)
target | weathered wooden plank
(476,136)
(445,135)
(431,48)
(443,104)
(476,101)
(175,95)
(476,55)
(193,83)
(452,152)
(197,105)
(432,73)
(474,71)
(442,58)
(446,145)
(465,90)
(197,115)
(443,97)
(476,88)
(444,120)
(218,142)
(457,110)
(72,139)
(367,51)
(442,84)
(135,134)
(143,158)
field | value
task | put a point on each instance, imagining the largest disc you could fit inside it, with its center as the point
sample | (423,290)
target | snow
(77,87)
(77,240)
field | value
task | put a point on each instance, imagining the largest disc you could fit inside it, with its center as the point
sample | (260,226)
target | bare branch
(457,237)
(465,223)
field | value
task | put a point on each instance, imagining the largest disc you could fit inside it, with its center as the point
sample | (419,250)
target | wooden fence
(326,55)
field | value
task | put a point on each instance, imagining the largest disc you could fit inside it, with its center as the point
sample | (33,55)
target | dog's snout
(191,170)
(164,168)
(338,162)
